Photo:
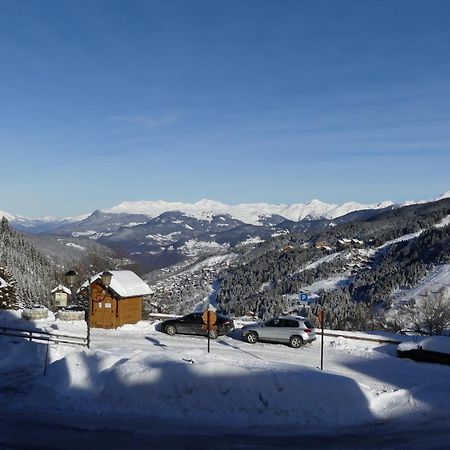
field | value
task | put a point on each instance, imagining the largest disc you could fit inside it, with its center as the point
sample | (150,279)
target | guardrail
(378,339)
(43,336)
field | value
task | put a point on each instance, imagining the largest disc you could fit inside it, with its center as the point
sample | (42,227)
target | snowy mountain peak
(444,195)
(251,213)
(7,215)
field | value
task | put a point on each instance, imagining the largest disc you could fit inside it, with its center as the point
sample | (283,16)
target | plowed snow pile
(207,390)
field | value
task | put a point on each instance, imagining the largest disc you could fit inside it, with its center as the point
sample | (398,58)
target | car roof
(301,318)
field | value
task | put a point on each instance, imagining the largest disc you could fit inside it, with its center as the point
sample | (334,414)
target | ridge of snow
(206,209)
(7,215)
(45,219)
(444,195)
(250,213)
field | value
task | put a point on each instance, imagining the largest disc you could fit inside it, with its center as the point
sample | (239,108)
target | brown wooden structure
(118,304)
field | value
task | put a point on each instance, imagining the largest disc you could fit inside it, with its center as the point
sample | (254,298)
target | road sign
(321,316)
(209,317)
(303,296)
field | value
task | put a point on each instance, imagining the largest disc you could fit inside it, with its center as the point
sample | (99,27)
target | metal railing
(42,336)
(378,339)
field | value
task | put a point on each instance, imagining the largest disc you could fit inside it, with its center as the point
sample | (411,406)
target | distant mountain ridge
(159,234)
(249,213)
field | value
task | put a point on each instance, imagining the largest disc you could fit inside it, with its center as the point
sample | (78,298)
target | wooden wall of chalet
(110,311)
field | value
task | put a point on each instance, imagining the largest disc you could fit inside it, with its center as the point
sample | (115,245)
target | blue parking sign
(303,297)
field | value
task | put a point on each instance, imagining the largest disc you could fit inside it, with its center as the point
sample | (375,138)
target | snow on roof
(61,288)
(3,283)
(125,283)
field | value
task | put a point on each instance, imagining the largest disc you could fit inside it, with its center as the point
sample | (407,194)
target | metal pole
(46,359)
(321,341)
(88,321)
(208,329)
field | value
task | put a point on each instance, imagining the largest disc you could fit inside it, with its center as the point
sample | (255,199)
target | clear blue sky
(236,100)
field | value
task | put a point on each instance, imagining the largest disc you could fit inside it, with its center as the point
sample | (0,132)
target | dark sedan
(193,324)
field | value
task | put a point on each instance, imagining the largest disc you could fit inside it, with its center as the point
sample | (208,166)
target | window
(273,323)
(289,323)
(190,318)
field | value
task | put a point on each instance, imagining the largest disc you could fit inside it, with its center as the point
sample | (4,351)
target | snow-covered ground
(140,377)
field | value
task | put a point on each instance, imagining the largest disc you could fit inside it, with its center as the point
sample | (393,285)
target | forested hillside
(355,267)
(32,275)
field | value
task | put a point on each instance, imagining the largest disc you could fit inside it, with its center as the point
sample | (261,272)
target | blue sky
(237,100)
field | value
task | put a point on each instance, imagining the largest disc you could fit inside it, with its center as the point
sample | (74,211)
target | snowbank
(214,392)
(440,344)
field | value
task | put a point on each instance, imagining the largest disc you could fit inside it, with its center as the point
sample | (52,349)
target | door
(103,308)
(289,327)
(191,324)
(271,330)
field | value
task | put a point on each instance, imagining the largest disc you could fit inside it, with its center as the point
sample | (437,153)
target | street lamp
(71,278)
(106,278)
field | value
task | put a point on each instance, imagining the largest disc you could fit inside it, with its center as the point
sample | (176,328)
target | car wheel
(171,330)
(251,337)
(296,342)
(213,334)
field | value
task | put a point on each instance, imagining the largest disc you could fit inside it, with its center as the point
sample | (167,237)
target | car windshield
(308,324)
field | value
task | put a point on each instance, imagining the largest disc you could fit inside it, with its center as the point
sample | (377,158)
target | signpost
(321,316)
(303,296)
(209,319)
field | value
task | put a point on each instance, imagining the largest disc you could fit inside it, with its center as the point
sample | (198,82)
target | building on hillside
(119,303)
(61,296)
(322,244)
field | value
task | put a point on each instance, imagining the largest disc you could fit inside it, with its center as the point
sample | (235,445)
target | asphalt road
(36,433)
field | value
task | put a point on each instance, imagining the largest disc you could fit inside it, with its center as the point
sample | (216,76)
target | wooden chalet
(119,303)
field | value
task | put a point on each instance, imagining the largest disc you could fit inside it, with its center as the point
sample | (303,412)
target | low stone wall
(70,315)
(35,313)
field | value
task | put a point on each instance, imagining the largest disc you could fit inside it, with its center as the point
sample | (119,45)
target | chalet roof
(61,288)
(3,283)
(125,283)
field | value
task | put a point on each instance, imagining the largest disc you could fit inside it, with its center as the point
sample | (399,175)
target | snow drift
(211,391)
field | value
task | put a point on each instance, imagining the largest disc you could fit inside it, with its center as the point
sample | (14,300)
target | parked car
(193,324)
(434,349)
(291,330)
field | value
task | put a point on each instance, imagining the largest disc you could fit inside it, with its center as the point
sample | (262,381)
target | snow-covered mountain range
(159,233)
(249,213)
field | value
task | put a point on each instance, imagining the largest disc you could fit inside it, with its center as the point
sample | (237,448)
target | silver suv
(294,331)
